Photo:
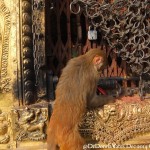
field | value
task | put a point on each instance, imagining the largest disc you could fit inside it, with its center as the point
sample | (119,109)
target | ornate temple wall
(22,37)
(21,126)
(9,48)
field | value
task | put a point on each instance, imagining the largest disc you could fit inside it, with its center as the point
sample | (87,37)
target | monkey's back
(76,84)
(70,103)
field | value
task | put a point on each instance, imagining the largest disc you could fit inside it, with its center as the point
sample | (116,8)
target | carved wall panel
(4,125)
(17,86)
(22,127)
(16,56)
(4,47)
(9,52)
(9,46)
(6,141)
(30,123)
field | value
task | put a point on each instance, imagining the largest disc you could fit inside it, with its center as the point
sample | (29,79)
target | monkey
(75,94)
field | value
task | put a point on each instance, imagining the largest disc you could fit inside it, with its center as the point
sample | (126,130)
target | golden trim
(117,123)
(5,47)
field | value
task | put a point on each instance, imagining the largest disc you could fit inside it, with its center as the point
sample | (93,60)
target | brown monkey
(75,92)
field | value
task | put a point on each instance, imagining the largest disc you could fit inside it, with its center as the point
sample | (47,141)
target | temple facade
(38,37)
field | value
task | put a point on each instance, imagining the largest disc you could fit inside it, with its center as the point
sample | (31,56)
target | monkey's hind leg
(51,145)
(72,141)
(51,140)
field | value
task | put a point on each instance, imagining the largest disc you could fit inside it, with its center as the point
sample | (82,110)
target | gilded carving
(27,51)
(117,123)
(4,124)
(26,18)
(5,85)
(4,47)
(30,124)
(26,6)
(26,29)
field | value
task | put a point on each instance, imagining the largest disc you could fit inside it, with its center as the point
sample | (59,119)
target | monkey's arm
(99,101)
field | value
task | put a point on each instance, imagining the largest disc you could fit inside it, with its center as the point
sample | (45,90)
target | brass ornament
(29,124)
(117,123)
(4,47)
(27,52)
(4,125)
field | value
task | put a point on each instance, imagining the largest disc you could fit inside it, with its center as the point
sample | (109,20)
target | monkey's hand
(109,98)
(100,100)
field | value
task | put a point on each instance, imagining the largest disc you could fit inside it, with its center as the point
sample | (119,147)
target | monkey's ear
(97,60)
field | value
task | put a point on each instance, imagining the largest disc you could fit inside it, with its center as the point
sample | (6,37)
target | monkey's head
(98,58)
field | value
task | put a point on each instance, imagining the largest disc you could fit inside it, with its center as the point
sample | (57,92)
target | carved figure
(4,137)
(30,124)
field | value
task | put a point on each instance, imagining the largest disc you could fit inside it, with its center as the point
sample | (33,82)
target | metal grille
(123,32)
(67,38)
(125,29)
(124,26)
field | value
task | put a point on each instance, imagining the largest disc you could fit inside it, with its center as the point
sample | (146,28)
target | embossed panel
(4,47)
(30,123)
(4,128)
(118,123)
